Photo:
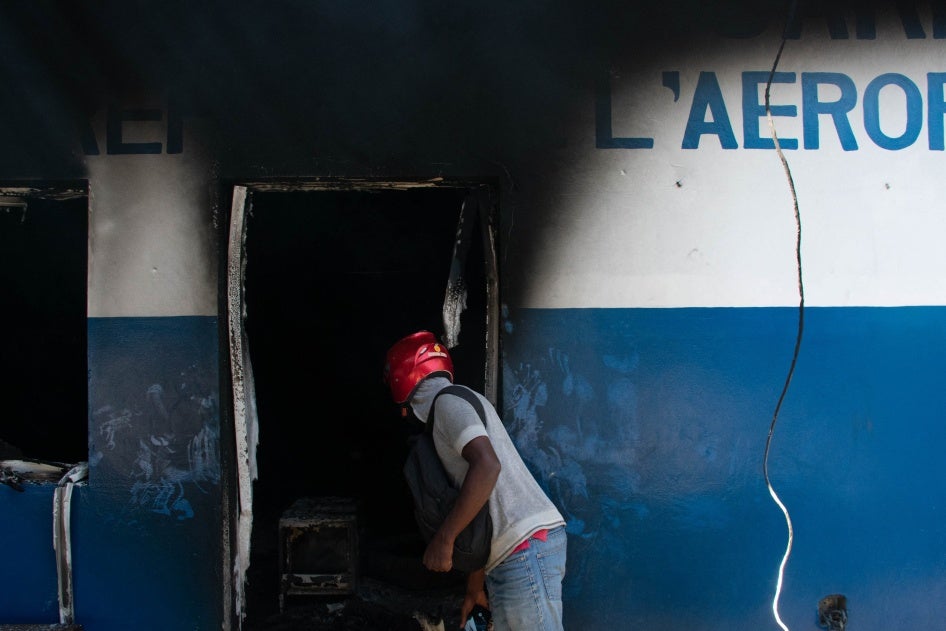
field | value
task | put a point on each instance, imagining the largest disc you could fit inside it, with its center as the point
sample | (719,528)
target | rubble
(376,606)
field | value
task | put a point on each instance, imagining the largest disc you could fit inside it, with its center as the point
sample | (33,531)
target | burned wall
(652,274)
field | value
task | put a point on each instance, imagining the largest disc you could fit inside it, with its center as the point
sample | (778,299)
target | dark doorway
(332,279)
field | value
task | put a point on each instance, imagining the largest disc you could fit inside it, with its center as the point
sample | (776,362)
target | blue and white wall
(652,280)
(658,310)
(147,529)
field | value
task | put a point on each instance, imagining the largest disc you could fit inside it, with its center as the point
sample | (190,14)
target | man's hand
(438,556)
(475,595)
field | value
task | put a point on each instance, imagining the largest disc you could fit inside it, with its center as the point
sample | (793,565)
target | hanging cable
(798,338)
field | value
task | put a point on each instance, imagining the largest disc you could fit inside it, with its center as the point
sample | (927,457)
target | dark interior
(43,255)
(332,279)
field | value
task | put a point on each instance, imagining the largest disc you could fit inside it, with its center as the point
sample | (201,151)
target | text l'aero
(830,103)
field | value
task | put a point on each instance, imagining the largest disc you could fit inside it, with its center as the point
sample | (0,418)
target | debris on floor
(376,606)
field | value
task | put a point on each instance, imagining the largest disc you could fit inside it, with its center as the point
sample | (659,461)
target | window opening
(43,270)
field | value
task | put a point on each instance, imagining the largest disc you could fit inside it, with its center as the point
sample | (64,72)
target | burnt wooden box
(318,548)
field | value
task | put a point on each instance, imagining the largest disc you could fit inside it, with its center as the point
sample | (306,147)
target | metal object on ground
(318,548)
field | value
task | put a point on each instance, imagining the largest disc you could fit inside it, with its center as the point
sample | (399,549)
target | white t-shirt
(518,506)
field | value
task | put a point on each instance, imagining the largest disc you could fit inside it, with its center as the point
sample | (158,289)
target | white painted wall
(152,249)
(673,227)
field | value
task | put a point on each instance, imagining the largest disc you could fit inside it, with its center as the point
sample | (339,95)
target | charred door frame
(481,203)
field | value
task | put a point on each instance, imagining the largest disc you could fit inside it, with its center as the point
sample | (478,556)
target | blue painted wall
(649,427)
(28,567)
(131,569)
(148,526)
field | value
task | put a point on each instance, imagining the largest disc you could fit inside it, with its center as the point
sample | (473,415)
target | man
(524,572)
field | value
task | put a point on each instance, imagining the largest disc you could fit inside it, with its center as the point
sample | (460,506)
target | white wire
(781,567)
(801,291)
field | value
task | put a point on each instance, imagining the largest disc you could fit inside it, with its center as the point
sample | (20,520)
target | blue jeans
(525,590)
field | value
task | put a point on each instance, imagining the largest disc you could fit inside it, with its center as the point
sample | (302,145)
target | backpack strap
(464,393)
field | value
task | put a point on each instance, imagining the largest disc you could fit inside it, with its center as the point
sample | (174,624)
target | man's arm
(475,594)
(479,482)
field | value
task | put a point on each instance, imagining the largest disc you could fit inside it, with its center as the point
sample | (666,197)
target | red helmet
(413,358)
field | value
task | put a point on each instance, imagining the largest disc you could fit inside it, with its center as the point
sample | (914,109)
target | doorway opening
(322,278)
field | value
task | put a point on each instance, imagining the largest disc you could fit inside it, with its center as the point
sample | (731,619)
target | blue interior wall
(649,428)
